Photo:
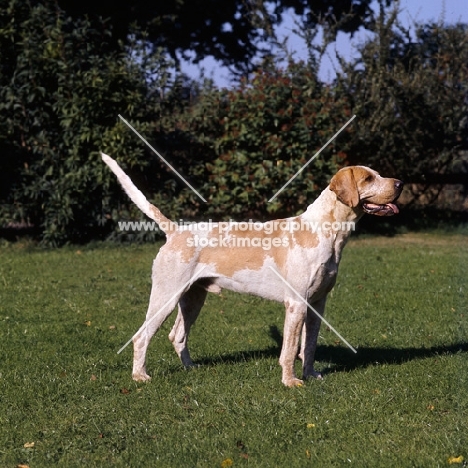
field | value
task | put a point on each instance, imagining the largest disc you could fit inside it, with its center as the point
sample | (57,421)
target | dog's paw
(191,365)
(293,382)
(141,377)
(313,375)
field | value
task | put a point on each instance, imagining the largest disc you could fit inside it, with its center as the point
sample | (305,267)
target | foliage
(243,145)
(232,31)
(63,83)
(346,15)
(411,98)
(410,101)
(62,88)
(270,127)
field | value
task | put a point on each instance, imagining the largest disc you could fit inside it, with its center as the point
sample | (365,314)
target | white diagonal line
(162,159)
(191,280)
(312,158)
(311,308)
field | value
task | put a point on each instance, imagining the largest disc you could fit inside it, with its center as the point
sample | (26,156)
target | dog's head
(360,186)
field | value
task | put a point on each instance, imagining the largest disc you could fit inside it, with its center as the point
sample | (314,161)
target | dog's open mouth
(388,209)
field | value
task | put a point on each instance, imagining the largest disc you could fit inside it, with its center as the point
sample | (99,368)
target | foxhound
(293,261)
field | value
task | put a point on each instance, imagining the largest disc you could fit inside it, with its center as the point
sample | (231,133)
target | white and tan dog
(293,261)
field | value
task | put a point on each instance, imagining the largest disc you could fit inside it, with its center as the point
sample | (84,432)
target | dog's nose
(398,185)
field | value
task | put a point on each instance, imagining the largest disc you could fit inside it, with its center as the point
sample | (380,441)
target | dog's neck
(328,209)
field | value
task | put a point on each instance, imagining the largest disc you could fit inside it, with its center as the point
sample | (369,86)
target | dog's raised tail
(137,197)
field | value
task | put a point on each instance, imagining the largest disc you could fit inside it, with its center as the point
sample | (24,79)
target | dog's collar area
(389,209)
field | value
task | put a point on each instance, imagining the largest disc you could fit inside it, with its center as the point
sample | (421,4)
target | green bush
(62,88)
(410,96)
(248,142)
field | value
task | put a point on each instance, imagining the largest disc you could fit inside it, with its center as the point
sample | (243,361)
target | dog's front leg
(310,333)
(295,315)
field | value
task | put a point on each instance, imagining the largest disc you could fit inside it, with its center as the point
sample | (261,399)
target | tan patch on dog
(351,184)
(306,238)
(179,242)
(241,253)
(165,224)
(280,256)
(362,174)
(344,185)
(229,260)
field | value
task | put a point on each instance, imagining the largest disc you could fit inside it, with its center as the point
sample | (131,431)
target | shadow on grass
(341,359)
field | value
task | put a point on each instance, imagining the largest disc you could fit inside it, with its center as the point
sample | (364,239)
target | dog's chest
(314,273)
(322,279)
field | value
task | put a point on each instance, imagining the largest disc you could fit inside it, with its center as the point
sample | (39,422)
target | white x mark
(312,158)
(162,159)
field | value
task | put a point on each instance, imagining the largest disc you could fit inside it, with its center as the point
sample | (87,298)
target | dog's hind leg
(163,300)
(190,305)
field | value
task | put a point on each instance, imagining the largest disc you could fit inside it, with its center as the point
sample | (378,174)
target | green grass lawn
(67,398)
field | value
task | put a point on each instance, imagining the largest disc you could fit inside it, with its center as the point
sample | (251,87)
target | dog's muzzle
(388,209)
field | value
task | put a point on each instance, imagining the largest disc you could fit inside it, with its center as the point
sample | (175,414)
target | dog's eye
(369,178)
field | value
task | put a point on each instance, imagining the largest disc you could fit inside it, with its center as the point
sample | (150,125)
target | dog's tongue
(389,209)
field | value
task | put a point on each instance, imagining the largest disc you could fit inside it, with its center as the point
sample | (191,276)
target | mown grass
(401,401)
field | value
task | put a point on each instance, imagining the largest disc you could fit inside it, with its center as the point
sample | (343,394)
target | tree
(230,30)
(342,15)
(411,99)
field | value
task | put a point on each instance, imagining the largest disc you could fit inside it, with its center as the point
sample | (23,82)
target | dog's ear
(344,185)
